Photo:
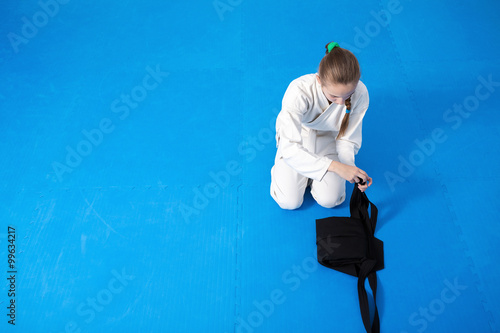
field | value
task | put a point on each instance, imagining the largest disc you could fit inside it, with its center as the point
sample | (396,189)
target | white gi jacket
(307,127)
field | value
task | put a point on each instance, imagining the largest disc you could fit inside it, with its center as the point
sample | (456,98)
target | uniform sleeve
(349,144)
(289,138)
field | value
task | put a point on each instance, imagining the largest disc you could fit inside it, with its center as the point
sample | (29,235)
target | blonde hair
(340,66)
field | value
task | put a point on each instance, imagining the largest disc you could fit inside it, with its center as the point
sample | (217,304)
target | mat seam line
(237,277)
(472,266)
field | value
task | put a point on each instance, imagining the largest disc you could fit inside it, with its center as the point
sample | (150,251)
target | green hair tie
(332,45)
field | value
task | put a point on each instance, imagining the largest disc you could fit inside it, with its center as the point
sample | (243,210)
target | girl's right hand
(350,173)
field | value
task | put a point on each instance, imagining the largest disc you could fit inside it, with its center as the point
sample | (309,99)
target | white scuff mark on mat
(83,240)
(91,209)
(58,259)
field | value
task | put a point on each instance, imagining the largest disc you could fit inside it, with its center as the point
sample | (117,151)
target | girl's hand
(368,183)
(351,174)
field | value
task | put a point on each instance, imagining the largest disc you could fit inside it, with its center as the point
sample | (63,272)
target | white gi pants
(288,186)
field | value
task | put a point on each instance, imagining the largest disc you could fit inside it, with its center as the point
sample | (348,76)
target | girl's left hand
(368,183)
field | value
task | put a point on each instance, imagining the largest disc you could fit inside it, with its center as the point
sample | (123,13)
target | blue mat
(137,142)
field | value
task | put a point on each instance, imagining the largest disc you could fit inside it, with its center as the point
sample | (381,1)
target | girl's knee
(330,201)
(288,195)
(289,202)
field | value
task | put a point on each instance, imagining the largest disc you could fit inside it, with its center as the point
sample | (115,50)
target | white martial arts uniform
(306,131)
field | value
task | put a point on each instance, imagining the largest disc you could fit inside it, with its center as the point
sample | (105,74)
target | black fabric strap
(372,279)
(359,209)
(367,271)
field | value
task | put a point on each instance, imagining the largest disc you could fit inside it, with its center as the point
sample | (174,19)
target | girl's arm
(351,174)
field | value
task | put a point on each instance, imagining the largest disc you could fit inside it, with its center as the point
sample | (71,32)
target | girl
(318,132)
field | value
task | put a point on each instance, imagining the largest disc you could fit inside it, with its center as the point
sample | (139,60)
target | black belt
(348,245)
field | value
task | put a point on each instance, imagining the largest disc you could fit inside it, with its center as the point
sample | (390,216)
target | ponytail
(345,120)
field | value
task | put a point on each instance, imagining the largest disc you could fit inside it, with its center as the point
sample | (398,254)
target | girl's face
(338,93)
